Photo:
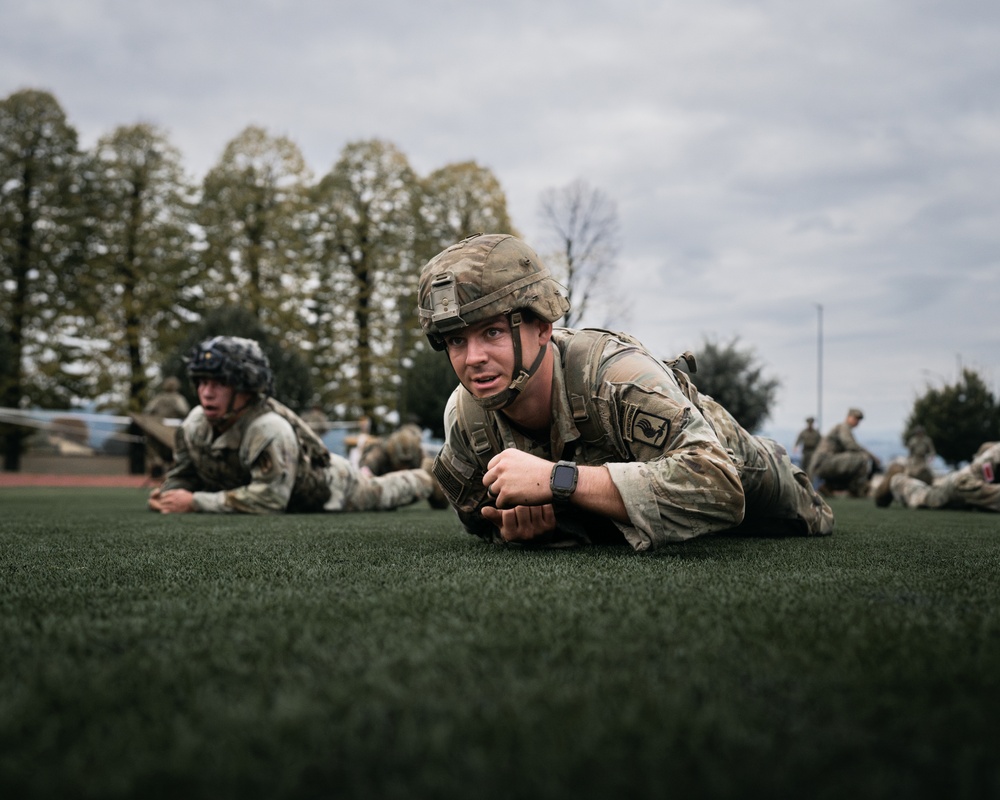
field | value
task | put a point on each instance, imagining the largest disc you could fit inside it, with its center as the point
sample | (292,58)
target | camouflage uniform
(168,403)
(316,419)
(921,451)
(402,449)
(267,463)
(972,486)
(682,464)
(809,439)
(841,463)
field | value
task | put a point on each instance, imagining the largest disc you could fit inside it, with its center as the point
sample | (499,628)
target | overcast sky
(766,156)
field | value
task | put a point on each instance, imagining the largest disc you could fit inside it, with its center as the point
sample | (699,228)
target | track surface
(51,479)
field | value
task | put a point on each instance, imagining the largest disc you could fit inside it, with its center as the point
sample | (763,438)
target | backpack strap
(312,446)
(585,348)
(475,422)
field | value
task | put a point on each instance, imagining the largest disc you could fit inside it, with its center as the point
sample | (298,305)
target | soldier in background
(807,442)
(167,404)
(972,487)
(843,464)
(402,449)
(558,437)
(241,450)
(921,452)
(316,419)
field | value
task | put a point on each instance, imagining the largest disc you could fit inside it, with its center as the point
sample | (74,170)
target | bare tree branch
(583,240)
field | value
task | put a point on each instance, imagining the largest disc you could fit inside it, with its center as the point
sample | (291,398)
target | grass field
(393,656)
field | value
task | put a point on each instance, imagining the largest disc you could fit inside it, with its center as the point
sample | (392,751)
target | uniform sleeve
(460,476)
(270,451)
(182,475)
(683,479)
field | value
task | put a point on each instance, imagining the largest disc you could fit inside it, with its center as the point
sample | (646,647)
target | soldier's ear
(544,332)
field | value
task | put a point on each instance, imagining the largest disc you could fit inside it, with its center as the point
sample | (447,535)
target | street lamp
(819,366)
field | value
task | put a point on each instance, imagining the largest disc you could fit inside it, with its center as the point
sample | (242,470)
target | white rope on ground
(45,419)
(49,413)
(62,429)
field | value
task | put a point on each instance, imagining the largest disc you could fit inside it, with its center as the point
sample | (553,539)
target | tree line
(109,256)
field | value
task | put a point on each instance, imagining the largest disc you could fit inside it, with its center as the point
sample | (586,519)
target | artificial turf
(393,656)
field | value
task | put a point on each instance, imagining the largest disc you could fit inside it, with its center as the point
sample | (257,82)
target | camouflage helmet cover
(483,276)
(234,361)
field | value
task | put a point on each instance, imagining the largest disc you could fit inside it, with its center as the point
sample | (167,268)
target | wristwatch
(563,481)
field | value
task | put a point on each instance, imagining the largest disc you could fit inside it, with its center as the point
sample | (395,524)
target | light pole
(819,366)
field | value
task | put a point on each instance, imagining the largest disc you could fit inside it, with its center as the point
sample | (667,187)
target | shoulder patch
(641,426)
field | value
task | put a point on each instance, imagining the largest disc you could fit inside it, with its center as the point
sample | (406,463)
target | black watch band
(563,481)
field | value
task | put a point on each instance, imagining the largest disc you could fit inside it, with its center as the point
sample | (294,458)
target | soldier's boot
(883,492)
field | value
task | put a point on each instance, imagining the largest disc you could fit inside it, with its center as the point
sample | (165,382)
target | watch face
(563,477)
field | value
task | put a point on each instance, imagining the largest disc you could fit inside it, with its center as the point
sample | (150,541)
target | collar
(562,430)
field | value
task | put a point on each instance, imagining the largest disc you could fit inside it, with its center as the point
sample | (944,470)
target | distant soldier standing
(808,440)
(166,404)
(559,436)
(241,450)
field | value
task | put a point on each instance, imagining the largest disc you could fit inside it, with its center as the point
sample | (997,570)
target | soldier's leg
(860,471)
(912,493)
(967,488)
(846,471)
(351,490)
(785,494)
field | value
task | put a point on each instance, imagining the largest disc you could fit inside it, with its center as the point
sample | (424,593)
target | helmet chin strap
(232,413)
(504,398)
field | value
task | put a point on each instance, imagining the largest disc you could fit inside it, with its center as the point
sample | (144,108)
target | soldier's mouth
(485,382)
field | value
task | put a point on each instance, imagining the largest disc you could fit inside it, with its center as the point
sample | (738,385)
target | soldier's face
(482,354)
(216,398)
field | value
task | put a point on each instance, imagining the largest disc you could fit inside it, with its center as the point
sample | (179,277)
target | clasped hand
(175,501)
(519,483)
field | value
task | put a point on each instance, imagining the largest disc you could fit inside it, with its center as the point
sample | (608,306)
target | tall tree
(140,247)
(364,241)
(958,417)
(581,240)
(253,211)
(39,252)
(458,201)
(733,377)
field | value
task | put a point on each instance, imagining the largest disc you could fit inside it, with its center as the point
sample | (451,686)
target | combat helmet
(234,361)
(481,277)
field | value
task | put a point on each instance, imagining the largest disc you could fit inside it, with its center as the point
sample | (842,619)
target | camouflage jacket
(267,462)
(167,405)
(682,464)
(809,439)
(839,440)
